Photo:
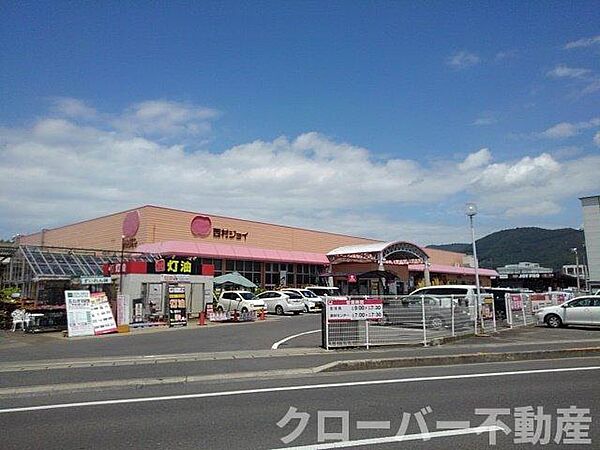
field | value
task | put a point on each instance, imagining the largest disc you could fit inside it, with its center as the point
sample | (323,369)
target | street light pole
(121,265)
(471,210)
(574,250)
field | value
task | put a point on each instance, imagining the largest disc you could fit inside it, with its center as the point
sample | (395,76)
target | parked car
(324,291)
(464,293)
(242,301)
(311,301)
(578,311)
(280,303)
(408,311)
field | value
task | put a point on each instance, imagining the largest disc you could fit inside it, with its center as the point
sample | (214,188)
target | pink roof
(439,268)
(228,251)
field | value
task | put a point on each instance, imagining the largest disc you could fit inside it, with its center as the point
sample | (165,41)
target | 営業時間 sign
(359,309)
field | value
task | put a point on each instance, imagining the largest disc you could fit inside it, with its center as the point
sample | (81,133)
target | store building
(269,255)
(591,229)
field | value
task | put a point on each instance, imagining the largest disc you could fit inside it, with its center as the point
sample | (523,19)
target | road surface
(244,414)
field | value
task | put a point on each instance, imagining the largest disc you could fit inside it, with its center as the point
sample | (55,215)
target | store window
(248,269)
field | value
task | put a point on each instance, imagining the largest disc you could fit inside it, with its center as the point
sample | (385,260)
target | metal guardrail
(424,319)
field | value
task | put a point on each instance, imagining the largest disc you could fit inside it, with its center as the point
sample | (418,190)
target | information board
(123,309)
(79,313)
(177,307)
(357,309)
(102,315)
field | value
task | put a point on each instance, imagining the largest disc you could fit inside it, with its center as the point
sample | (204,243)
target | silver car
(579,311)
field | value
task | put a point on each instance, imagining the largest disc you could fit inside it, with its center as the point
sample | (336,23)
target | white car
(578,311)
(242,301)
(282,302)
(311,301)
(325,291)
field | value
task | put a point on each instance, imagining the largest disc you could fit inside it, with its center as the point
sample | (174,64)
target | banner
(123,309)
(102,316)
(177,307)
(79,313)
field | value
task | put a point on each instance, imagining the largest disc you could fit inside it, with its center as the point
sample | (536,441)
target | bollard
(202,318)
(235,315)
(262,316)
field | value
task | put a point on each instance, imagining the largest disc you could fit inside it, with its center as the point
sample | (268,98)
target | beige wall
(101,233)
(163,224)
(444,257)
(170,225)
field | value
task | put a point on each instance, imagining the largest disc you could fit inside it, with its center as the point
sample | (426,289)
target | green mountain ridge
(549,248)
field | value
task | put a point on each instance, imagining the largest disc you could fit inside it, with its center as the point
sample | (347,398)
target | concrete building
(591,228)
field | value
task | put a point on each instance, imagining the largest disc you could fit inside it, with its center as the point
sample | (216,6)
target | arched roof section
(379,252)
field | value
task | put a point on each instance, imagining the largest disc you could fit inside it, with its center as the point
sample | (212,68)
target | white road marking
(388,439)
(304,387)
(276,345)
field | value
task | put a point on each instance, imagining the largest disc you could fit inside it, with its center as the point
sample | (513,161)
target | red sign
(159,265)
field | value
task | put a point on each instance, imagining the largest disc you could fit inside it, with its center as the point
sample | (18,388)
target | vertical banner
(122,309)
(79,313)
(102,316)
(516,302)
(177,307)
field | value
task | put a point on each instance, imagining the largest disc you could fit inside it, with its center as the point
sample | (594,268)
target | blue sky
(372,118)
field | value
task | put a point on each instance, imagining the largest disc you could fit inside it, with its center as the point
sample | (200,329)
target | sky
(377,119)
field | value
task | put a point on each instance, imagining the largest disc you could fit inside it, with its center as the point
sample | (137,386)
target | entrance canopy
(379,252)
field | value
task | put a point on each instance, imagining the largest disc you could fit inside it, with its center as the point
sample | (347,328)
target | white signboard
(359,309)
(170,278)
(95,280)
(123,309)
(102,316)
(79,313)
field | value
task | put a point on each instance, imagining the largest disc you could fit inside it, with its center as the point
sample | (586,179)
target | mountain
(549,248)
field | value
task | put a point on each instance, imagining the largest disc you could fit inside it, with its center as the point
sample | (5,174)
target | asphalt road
(223,337)
(233,414)
(260,335)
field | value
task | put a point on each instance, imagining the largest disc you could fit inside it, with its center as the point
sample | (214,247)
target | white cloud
(562,71)
(74,108)
(476,160)
(593,86)
(542,208)
(584,42)
(165,118)
(485,118)
(57,171)
(462,60)
(528,171)
(504,55)
(597,139)
(566,129)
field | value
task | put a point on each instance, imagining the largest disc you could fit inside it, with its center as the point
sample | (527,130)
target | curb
(467,358)
(139,383)
(336,366)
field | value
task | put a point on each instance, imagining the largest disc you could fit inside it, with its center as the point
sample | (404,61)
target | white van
(464,294)
(324,291)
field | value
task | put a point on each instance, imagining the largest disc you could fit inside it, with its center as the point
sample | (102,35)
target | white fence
(365,321)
